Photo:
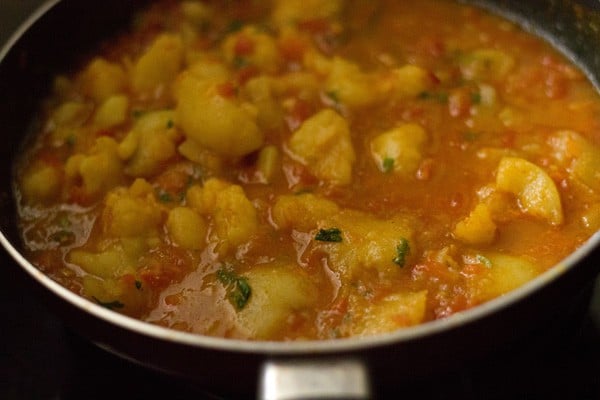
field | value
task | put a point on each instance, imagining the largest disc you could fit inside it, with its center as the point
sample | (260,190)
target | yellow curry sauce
(299,169)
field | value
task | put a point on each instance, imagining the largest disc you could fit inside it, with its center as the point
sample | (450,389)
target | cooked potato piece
(159,65)
(536,191)
(267,163)
(121,295)
(71,114)
(131,212)
(302,211)
(400,149)
(485,64)
(112,262)
(409,81)
(277,291)
(41,183)
(323,144)
(503,274)
(215,122)
(250,46)
(193,151)
(235,218)
(149,144)
(102,79)
(204,198)
(578,155)
(291,12)
(350,86)
(477,228)
(395,311)
(259,91)
(100,170)
(112,112)
(367,243)
(186,228)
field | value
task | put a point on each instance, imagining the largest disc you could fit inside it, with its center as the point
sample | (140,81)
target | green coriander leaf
(402,251)
(388,164)
(329,235)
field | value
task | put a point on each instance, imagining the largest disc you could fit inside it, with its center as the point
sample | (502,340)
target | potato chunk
(277,291)
(102,79)
(131,212)
(399,150)
(323,144)
(486,64)
(186,228)
(535,190)
(503,274)
(149,144)
(41,183)
(100,170)
(579,156)
(112,112)
(350,86)
(253,47)
(477,228)
(395,311)
(159,65)
(301,211)
(235,218)
(216,122)
(367,243)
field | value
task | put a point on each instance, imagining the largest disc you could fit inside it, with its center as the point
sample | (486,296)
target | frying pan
(61,32)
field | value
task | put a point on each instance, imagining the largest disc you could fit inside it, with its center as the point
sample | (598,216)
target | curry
(301,170)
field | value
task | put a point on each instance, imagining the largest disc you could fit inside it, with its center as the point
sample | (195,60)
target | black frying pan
(61,32)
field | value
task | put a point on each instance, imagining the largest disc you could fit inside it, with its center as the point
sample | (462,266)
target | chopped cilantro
(240,62)
(470,136)
(137,113)
(333,96)
(170,124)
(440,97)
(164,197)
(329,235)
(237,286)
(234,26)
(71,140)
(484,260)
(402,251)
(388,164)
(476,98)
(111,305)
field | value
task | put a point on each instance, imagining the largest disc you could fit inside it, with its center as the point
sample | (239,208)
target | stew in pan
(298,170)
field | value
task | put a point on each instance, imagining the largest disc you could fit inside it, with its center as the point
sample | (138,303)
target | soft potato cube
(131,212)
(268,161)
(367,244)
(102,79)
(477,228)
(323,144)
(100,170)
(204,198)
(110,263)
(71,114)
(149,144)
(586,168)
(196,11)
(277,291)
(41,183)
(235,218)
(504,274)
(409,81)
(292,12)
(112,112)
(159,65)
(122,295)
(215,122)
(253,47)
(350,86)
(186,228)
(535,190)
(578,156)
(270,114)
(399,310)
(486,64)
(209,72)
(301,211)
(200,155)
(400,149)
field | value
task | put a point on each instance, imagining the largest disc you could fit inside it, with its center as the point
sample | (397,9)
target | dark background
(40,358)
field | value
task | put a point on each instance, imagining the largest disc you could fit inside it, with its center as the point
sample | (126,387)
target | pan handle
(344,378)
